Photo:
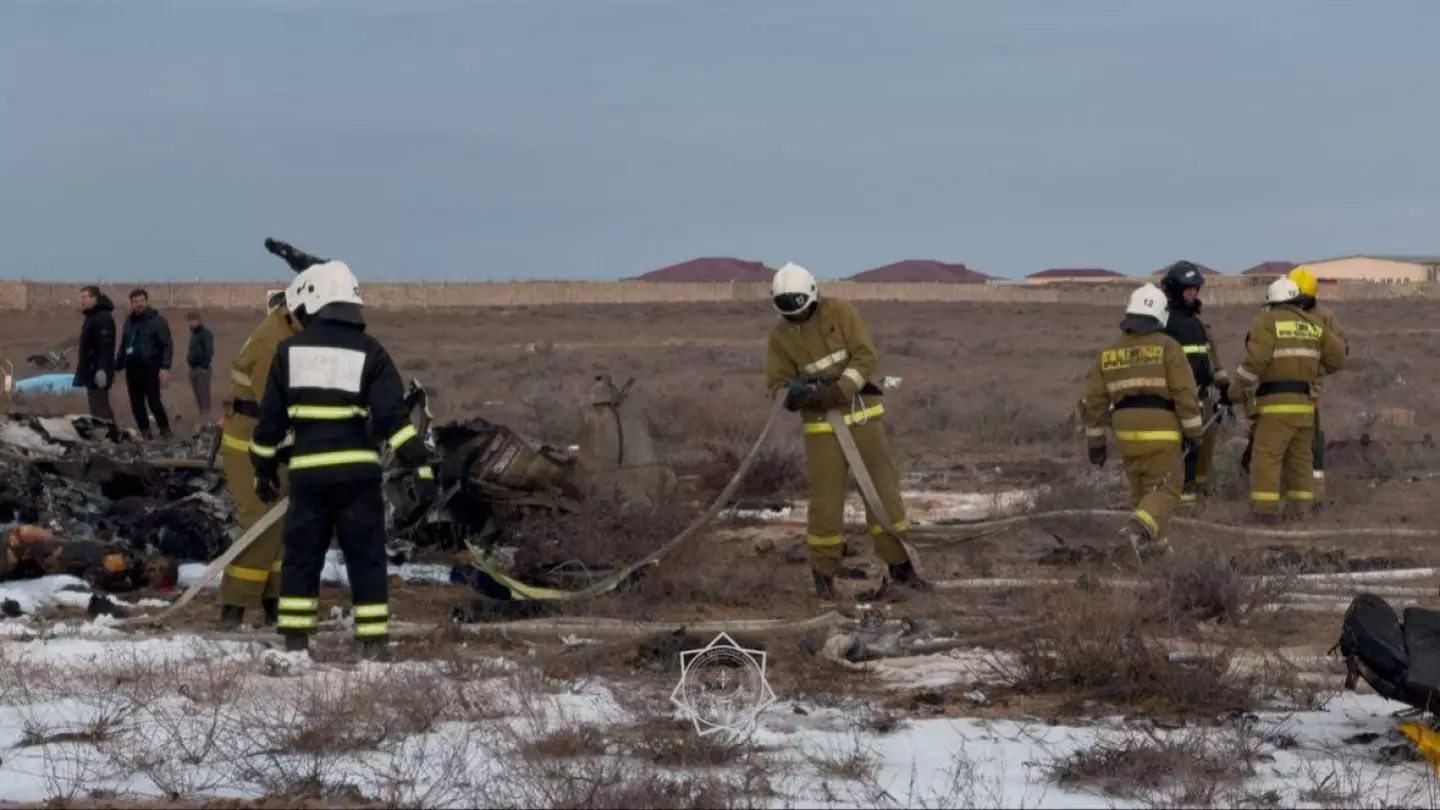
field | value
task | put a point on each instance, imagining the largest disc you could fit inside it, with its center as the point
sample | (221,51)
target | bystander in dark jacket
(95,353)
(199,357)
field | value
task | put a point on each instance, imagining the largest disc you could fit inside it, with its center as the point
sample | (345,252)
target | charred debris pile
(80,496)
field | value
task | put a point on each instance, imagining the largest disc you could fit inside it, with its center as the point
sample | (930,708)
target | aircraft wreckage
(81,496)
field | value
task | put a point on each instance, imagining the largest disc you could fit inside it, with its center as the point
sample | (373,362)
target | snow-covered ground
(922,506)
(193,717)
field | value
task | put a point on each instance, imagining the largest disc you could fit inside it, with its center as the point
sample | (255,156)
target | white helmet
(324,284)
(1149,300)
(292,292)
(1281,291)
(792,291)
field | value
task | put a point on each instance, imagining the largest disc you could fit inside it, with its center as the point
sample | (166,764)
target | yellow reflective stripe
(822,540)
(1136,382)
(1192,422)
(1287,408)
(825,362)
(854,376)
(261,450)
(298,604)
(247,574)
(275,566)
(427,473)
(900,526)
(850,419)
(334,459)
(240,377)
(375,611)
(327,411)
(1095,432)
(243,445)
(1265,496)
(1306,353)
(402,435)
(1245,375)
(1148,435)
(1299,495)
(1148,521)
(1197,348)
(290,622)
(372,629)
(1188,497)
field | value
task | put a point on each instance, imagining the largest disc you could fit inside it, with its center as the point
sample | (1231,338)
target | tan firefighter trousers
(255,574)
(1284,448)
(1155,471)
(825,469)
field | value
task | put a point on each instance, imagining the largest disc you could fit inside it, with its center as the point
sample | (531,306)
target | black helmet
(1180,275)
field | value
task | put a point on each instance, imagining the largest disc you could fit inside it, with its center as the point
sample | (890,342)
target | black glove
(1098,455)
(267,484)
(802,396)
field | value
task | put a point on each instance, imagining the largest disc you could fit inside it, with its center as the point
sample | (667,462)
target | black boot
(905,574)
(231,617)
(297,642)
(824,586)
(272,611)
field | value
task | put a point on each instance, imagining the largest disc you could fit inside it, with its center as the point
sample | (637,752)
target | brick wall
(18,295)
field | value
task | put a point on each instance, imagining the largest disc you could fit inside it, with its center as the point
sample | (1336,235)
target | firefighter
(822,351)
(1287,349)
(253,579)
(1143,383)
(337,388)
(1182,284)
(1309,286)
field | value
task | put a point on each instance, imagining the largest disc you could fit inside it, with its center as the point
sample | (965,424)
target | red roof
(1079,272)
(712,269)
(1204,271)
(921,270)
(1270,269)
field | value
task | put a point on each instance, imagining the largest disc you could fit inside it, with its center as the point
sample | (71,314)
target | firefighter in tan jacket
(252,580)
(1287,350)
(1309,286)
(1143,382)
(822,351)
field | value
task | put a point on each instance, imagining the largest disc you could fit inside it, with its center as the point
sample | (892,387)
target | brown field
(985,404)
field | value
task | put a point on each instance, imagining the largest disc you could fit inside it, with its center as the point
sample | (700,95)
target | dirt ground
(985,403)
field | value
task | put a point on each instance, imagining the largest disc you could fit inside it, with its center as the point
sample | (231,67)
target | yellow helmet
(1305,280)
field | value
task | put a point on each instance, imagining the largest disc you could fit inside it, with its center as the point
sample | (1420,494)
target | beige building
(1379,269)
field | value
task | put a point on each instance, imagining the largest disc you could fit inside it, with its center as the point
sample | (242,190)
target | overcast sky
(500,139)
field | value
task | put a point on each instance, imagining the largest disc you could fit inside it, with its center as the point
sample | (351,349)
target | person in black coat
(95,354)
(145,353)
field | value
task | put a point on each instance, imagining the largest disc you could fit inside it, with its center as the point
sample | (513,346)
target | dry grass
(1198,767)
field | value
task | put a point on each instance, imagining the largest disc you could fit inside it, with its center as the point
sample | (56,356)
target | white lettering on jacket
(325,367)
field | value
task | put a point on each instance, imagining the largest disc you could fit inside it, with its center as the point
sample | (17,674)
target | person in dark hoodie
(1143,383)
(95,354)
(1181,284)
(198,357)
(145,353)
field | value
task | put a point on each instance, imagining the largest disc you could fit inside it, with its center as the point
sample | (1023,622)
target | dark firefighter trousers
(354,512)
(826,469)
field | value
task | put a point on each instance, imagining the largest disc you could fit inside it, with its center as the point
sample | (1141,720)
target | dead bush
(1190,768)
(1099,646)
(600,534)
(672,744)
(777,469)
(568,742)
(1200,582)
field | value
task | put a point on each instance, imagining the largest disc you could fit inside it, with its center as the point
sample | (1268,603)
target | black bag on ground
(1399,661)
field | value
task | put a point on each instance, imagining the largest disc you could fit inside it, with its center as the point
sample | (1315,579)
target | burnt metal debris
(80,496)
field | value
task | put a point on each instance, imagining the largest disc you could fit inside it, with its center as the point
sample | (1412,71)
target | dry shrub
(1201,582)
(777,469)
(568,742)
(600,534)
(1191,768)
(672,744)
(1098,646)
(704,574)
